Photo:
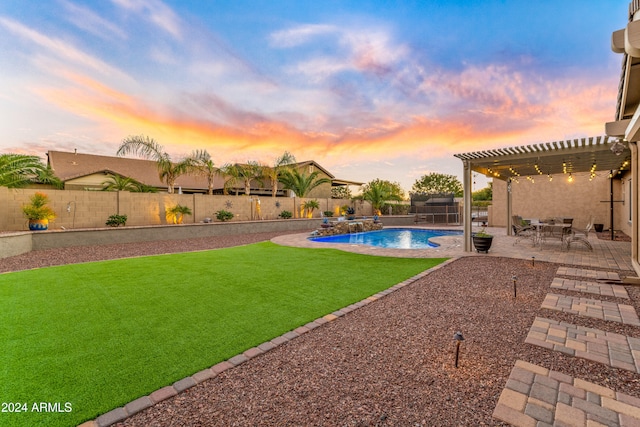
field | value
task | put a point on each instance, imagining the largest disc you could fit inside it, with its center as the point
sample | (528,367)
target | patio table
(544,230)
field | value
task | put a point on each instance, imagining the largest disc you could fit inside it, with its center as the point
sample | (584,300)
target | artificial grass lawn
(99,335)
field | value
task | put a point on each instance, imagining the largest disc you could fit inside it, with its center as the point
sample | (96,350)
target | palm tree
(378,191)
(148,148)
(244,173)
(20,170)
(275,172)
(310,206)
(301,184)
(120,183)
(232,174)
(205,166)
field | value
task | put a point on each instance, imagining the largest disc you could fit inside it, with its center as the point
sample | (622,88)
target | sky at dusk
(368,89)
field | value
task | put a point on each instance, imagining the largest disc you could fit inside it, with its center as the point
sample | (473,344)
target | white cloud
(60,48)
(89,21)
(156,12)
(300,35)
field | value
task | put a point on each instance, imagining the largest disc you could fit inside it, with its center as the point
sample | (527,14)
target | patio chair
(582,236)
(521,229)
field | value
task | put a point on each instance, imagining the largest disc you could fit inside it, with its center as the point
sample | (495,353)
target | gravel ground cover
(389,363)
(49,257)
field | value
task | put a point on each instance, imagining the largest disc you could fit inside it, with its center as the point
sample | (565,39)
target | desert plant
(146,147)
(116,220)
(328,213)
(310,206)
(285,214)
(178,212)
(37,209)
(223,215)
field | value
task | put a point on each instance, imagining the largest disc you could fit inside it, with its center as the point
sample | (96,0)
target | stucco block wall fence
(90,209)
(578,199)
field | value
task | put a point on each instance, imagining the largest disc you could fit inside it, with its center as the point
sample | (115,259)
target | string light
(564,167)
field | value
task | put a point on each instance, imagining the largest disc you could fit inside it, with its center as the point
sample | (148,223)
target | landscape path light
(533,261)
(458,338)
(515,293)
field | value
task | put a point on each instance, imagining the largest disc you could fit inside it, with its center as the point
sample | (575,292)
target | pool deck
(605,254)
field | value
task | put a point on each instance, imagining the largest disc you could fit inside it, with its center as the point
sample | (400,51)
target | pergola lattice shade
(592,154)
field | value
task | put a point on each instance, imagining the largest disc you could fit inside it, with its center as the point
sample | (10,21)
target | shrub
(37,208)
(178,212)
(285,215)
(396,209)
(116,221)
(328,213)
(223,215)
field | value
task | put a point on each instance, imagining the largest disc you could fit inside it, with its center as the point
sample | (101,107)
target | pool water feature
(394,238)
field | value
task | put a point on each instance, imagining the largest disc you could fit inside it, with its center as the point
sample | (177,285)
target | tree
(438,183)
(341,192)
(146,147)
(275,172)
(120,183)
(20,170)
(242,173)
(310,206)
(301,184)
(379,191)
(203,164)
(483,194)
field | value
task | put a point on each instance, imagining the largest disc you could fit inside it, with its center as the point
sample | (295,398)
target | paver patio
(602,289)
(599,346)
(604,310)
(589,274)
(535,397)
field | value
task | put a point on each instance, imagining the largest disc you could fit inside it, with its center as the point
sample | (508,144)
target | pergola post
(466,194)
(635,238)
(509,209)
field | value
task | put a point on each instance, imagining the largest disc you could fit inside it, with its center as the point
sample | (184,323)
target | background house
(81,171)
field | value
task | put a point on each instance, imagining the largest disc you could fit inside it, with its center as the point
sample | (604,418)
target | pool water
(396,238)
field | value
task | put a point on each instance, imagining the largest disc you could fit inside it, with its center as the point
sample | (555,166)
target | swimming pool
(396,238)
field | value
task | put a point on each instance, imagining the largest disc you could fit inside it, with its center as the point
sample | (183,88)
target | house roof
(549,158)
(68,166)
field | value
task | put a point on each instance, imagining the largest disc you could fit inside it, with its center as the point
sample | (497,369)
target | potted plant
(351,213)
(178,212)
(482,241)
(38,213)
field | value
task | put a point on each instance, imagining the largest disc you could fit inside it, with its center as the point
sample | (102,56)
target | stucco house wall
(557,198)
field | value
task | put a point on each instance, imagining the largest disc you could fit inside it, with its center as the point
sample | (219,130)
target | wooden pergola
(547,159)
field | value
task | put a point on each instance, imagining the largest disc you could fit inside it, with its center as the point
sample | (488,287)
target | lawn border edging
(121,413)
